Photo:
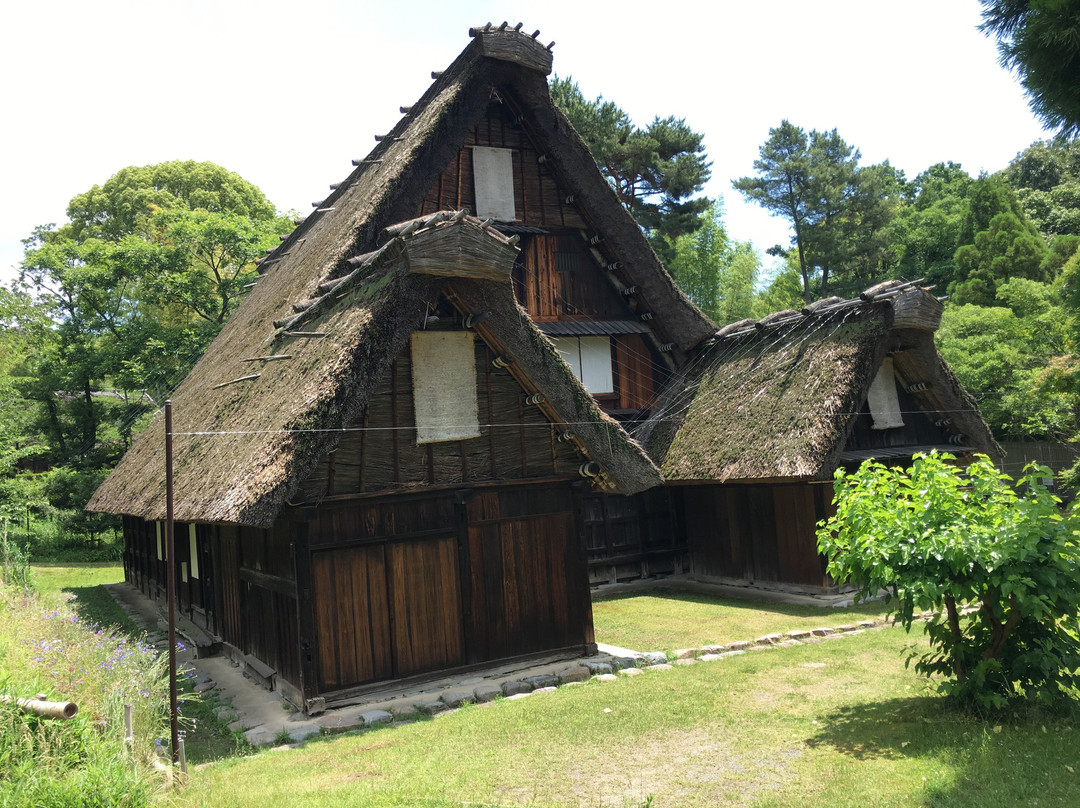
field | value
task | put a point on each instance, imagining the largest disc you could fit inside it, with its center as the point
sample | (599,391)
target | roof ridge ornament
(511,44)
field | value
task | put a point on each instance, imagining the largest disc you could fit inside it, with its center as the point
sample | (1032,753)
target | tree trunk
(957,635)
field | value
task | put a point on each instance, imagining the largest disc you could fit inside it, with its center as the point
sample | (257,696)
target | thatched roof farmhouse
(464,386)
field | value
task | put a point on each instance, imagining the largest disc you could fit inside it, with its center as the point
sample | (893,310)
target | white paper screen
(493,181)
(884,405)
(444,386)
(590,359)
(596,364)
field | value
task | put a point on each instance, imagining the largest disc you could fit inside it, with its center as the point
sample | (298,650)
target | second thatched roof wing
(777,399)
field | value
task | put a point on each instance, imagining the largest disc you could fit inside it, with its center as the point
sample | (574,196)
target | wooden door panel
(352,622)
(425,593)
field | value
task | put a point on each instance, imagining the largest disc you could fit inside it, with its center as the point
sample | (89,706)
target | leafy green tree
(119,206)
(877,200)
(997,562)
(137,284)
(128,293)
(697,261)
(926,232)
(656,171)
(718,274)
(1009,356)
(738,280)
(1040,40)
(998,243)
(831,233)
(783,291)
(1046,179)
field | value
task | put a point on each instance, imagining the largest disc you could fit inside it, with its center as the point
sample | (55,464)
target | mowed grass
(671,620)
(92,603)
(837,723)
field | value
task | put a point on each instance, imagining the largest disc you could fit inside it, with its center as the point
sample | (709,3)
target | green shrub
(997,562)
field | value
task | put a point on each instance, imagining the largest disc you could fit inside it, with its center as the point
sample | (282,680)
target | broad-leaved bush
(996,560)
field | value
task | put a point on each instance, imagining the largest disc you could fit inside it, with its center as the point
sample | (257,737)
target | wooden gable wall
(918,429)
(516,441)
(556,278)
(537,197)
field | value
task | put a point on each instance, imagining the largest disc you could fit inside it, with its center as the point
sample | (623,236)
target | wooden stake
(170,538)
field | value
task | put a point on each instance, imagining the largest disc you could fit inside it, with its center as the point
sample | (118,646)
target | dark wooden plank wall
(537,197)
(268,595)
(918,428)
(528,582)
(635,369)
(637,532)
(556,279)
(412,583)
(141,565)
(384,586)
(516,440)
(225,547)
(246,592)
(143,568)
(759,533)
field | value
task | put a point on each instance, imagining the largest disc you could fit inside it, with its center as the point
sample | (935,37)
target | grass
(92,603)
(839,723)
(207,737)
(688,620)
(45,647)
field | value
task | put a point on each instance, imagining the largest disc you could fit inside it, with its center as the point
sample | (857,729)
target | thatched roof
(778,398)
(265,404)
(239,464)
(389,184)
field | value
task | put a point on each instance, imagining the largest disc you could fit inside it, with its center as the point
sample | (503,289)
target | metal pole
(170,543)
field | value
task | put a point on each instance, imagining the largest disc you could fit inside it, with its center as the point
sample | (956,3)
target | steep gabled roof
(389,184)
(778,398)
(265,403)
(340,326)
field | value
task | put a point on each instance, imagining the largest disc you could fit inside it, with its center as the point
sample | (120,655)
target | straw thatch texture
(235,458)
(507,324)
(779,401)
(772,405)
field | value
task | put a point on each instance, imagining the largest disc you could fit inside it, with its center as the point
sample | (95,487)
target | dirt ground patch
(693,766)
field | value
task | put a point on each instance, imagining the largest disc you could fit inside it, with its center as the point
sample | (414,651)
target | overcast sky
(286,94)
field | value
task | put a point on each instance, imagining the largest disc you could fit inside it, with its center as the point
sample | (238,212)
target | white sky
(285,94)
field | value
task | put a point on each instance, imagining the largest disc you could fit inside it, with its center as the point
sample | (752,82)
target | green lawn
(839,723)
(92,603)
(688,620)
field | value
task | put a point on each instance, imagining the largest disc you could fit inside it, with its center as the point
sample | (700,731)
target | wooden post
(305,610)
(170,556)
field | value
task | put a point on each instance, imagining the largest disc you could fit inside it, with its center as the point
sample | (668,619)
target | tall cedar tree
(1040,40)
